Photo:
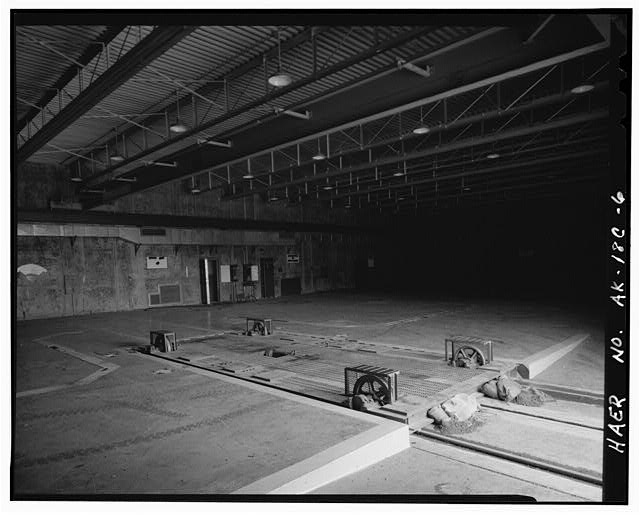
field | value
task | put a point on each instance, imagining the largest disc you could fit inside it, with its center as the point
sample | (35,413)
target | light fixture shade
(248,176)
(195,190)
(582,88)
(319,157)
(421,129)
(116,158)
(493,155)
(398,174)
(273,198)
(76,178)
(280,80)
(178,127)
(327,187)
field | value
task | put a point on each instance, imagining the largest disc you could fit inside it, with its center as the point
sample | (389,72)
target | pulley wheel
(374,387)
(469,353)
(258,327)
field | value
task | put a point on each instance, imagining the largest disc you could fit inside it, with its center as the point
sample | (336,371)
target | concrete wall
(95,274)
(38,184)
(103,268)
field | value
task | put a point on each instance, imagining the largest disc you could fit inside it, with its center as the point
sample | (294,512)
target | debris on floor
(455,426)
(162,371)
(531,396)
(502,388)
(505,389)
(438,415)
(456,415)
(508,389)
(360,402)
(461,406)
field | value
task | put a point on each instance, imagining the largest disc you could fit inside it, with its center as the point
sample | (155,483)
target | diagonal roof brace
(423,72)
(151,47)
(214,143)
(294,114)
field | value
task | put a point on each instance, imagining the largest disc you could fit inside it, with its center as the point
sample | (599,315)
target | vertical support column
(206,281)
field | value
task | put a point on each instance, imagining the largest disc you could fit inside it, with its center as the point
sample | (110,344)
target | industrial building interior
(254,257)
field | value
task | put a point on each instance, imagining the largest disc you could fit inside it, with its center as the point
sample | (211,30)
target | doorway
(209,280)
(266,273)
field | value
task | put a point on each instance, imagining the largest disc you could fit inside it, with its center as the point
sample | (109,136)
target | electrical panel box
(250,273)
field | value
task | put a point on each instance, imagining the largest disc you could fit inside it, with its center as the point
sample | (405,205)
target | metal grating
(321,368)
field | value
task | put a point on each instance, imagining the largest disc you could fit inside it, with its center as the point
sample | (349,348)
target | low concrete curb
(339,461)
(538,362)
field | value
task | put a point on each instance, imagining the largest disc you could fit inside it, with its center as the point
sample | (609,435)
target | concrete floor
(150,428)
(432,468)
(142,421)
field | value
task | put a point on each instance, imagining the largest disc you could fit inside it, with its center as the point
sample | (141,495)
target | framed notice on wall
(293,258)
(254,272)
(156,262)
(225,273)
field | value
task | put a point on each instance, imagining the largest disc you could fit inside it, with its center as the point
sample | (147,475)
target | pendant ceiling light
(319,156)
(116,157)
(194,186)
(493,155)
(178,127)
(585,85)
(422,128)
(77,177)
(248,175)
(280,79)
(582,88)
(399,172)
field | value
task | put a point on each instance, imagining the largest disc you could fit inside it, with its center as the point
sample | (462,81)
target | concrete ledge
(339,461)
(538,362)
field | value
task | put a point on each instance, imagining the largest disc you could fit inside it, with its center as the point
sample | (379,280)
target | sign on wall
(371,262)
(225,274)
(254,272)
(156,262)
(293,258)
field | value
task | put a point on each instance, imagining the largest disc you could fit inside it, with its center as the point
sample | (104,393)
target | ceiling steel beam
(320,74)
(411,204)
(93,49)
(210,86)
(546,63)
(468,142)
(152,46)
(443,191)
(436,175)
(459,122)
(567,56)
